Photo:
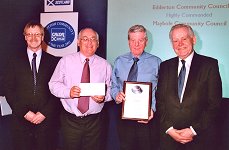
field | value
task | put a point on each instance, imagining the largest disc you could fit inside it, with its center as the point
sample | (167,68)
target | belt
(80,117)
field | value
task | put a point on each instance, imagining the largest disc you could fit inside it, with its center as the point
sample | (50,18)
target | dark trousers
(81,133)
(136,136)
(27,136)
(112,133)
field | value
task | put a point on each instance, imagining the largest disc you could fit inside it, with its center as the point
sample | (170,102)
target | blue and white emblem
(59,34)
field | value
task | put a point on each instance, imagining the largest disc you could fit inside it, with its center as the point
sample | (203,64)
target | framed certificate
(138,100)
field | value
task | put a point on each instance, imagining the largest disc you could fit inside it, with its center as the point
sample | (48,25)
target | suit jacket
(202,95)
(19,86)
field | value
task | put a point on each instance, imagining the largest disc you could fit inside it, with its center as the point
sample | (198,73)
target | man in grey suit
(186,120)
(35,109)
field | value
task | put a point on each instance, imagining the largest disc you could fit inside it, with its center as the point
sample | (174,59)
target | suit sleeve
(52,108)
(161,97)
(53,104)
(10,90)
(213,97)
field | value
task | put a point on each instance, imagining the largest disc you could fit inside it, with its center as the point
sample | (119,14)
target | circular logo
(137,89)
(59,34)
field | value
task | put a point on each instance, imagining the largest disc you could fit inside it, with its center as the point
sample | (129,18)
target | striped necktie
(34,72)
(181,78)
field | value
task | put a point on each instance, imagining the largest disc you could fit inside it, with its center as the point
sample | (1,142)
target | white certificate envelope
(92,89)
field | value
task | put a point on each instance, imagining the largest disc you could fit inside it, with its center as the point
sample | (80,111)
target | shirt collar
(82,58)
(30,53)
(188,60)
(132,56)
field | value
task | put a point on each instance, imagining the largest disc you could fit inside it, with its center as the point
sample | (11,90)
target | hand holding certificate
(138,100)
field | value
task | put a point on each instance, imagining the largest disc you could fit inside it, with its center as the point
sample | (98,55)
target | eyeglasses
(30,35)
(86,39)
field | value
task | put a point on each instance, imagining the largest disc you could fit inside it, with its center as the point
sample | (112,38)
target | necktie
(83,102)
(181,78)
(133,74)
(34,71)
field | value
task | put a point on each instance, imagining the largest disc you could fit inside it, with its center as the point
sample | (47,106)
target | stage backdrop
(15,14)
(209,19)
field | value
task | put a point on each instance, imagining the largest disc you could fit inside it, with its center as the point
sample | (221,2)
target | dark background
(15,14)
(92,13)
(13,17)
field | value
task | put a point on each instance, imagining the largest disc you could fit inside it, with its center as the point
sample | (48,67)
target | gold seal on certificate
(138,100)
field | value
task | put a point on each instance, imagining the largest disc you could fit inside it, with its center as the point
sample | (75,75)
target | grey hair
(137,28)
(97,35)
(190,30)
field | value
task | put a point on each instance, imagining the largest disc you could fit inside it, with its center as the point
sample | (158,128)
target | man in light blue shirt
(135,134)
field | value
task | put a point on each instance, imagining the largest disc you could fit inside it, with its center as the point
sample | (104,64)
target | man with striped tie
(35,109)
(188,95)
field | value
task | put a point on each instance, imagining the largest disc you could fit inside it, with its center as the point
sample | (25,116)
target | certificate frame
(138,97)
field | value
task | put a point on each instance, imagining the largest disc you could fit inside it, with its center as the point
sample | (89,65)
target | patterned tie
(133,74)
(34,71)
(83,102)
(181,78)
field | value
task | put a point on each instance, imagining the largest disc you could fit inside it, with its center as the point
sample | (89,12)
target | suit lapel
(25,64)
(192,77)
(173,71)
(41,70)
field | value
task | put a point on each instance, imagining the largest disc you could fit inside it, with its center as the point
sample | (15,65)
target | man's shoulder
(122,59)
(147,55)
(101,60)
(125,55)
(204,58)
(169,61)
(72,56)
(17,57)
(50,57)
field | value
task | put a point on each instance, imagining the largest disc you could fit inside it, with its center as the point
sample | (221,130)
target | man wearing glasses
(27,92)
(81,120)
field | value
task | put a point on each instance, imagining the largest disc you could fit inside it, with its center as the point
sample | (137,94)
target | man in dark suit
(186,122)
(35,109)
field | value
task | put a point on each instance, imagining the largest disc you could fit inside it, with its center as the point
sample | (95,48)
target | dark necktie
(181,78)
(133,74)
(34,71)
(83,102)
